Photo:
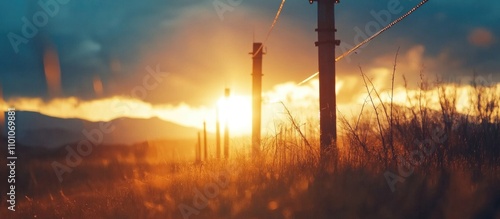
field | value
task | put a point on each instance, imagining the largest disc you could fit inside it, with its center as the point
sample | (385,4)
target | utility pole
(217,133)
(205,139)
(326,60)
(198,149)
(2,115)
(256,96)
(226,127)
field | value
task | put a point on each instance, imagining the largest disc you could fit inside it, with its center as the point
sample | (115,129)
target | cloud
(93,110)
(114,42)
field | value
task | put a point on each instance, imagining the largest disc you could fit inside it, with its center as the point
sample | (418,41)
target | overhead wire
(370,38)
(275,21)
(382,30)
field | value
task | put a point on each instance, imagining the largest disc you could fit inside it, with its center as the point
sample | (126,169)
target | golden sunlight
(237,111)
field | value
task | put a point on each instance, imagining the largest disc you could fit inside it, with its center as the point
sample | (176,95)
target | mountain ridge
(39,130)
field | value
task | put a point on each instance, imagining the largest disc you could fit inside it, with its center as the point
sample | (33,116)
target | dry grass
(459,179)
(256,190)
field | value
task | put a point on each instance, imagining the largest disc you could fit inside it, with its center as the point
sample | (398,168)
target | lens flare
(52,72)
(98,89)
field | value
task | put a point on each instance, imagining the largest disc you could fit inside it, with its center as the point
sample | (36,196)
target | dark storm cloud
(442,27)
(87,36)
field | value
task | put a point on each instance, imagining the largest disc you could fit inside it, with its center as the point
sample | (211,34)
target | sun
(236,110)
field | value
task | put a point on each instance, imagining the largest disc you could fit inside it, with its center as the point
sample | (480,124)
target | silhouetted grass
(460,178)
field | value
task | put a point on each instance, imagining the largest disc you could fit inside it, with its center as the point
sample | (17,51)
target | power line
(257,85)
(370,38)
(309,78)
(382,30)
(275,21)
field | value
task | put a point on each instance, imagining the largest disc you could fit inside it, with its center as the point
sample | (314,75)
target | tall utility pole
(256,96)
(326,60)
(226,127)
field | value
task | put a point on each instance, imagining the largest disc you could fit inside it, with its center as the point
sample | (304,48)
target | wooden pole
(217,133)
(256,96)
(326,61)
(198,149)
(205,139)
(226,127)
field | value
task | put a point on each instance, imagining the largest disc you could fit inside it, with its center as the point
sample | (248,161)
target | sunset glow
(237,111)
(300,100)
(240,109)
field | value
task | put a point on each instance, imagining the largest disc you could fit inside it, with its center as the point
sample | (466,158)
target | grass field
(248,189)
(393,162)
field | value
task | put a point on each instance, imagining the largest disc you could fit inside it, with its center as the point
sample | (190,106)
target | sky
(173,59)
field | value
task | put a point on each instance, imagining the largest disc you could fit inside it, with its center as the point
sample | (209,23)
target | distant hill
(35,129)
